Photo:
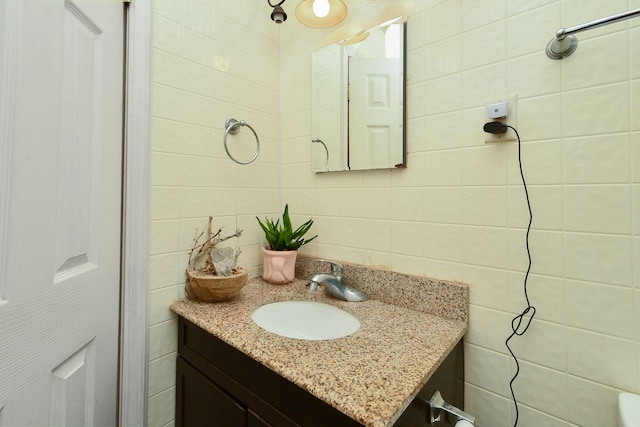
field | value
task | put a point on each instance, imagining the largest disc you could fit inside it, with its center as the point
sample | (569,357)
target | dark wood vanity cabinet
(220,386)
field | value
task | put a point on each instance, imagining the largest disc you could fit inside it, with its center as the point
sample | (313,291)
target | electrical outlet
(511,120)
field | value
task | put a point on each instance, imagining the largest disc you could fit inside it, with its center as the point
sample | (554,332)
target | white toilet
(628,410)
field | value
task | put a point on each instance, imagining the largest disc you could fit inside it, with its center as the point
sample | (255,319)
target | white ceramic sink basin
(305,320)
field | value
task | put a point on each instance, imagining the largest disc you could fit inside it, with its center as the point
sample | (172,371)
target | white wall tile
(407,238)
(532,417)
(530,32)
(592,404)
(486,165)
(599,258)
(162,408)
(165,270)
(166,103)
(534,154)
(488,287)
(590,70)
(598,209)
(443,242)
(478,14)
(162,374)
(488,408)
(596,159)
(575,12)
(635,104)
(487,368)
(546,207)
(534,75)
(601,308)
(441,131)
(163,339)
(545,343)
(486,206)
(443,168)
(442,22)
(167,68)
(377,234)
(488,328)
(539,118)
(615,358)
(167,35)
(532,379)
(546,293)
(197,17)
(442,95)
(442,58)
(443,204)
(411,264)
(159,302)
(477,85)
(486,246)
(171,9)
(474,46)
(634,39)
(583,114)
(407,204)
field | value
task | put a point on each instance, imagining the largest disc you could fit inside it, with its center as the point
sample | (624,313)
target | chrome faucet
(334,285)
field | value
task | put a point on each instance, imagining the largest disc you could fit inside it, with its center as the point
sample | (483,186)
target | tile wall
(211,61)
(458,211)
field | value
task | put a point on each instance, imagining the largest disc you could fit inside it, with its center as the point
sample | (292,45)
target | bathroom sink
(305,320)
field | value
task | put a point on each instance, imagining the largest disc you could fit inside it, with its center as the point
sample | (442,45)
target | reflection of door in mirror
(375,107)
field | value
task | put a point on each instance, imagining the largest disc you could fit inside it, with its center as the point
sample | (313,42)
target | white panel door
(375,113)
(61,103)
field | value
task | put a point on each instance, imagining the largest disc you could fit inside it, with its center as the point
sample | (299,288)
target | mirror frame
(320,157)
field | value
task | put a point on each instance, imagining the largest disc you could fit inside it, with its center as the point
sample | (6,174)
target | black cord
(517,322)
(275,5)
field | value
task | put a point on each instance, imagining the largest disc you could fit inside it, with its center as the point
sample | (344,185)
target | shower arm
(565,43)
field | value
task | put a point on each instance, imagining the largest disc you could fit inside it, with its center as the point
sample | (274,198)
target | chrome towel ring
(232,127)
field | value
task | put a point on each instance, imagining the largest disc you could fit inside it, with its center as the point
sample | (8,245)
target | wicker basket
(208,288)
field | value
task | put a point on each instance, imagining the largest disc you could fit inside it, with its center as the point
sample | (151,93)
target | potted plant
(279,255)
(213,273)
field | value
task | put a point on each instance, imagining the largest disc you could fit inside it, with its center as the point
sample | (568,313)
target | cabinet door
(255,420)
(203,404)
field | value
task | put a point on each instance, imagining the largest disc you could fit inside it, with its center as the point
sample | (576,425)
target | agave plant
(282,237)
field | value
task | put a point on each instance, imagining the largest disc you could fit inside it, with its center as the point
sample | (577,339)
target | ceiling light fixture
(321,13)
(278,15)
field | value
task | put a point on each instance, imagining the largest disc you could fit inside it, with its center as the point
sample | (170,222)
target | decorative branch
(205,248)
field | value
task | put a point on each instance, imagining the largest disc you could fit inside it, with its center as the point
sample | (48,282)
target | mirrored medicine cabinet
(358,101)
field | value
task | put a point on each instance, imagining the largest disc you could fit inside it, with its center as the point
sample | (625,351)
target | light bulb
(321,8)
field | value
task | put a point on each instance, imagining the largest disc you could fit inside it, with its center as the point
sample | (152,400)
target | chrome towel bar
(565,43)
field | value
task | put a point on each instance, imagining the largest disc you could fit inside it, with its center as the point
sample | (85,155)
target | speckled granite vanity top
(371,375)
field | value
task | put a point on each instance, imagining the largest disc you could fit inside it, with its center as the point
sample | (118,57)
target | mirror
(358,108)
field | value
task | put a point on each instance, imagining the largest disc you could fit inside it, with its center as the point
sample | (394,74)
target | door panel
(375,119)
(61,145)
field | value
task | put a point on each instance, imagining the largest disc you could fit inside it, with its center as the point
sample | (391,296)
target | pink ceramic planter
(278,267)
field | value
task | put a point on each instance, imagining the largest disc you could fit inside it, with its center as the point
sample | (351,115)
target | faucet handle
(336,267)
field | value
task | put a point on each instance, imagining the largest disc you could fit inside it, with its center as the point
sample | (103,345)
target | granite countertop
(372,375)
